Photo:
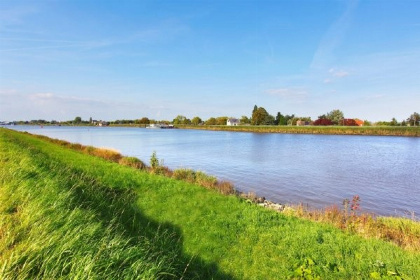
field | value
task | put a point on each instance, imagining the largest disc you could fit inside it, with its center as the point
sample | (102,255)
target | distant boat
(162,126)
(153,125)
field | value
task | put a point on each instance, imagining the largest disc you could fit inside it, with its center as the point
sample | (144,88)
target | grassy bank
(66,214)
(330,130)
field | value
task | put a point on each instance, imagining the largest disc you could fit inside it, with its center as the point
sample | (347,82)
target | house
(233,122)
(302,123)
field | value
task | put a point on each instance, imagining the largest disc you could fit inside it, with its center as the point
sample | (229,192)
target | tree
(394,122)
(245,120)
(259,116)
(77,120)
(335,116)
(221,120)
(280,119)
(269,120)
(196,121)
(144,120)
(181,120)
(211,121)
(255,109)
(288,119)
(414,119)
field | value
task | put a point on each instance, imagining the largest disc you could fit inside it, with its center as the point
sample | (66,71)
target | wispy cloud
(334,74)
(333,37)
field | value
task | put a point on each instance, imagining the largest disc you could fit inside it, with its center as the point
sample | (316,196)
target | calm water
(319,170)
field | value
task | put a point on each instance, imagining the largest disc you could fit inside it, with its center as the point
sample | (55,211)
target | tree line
(259,116)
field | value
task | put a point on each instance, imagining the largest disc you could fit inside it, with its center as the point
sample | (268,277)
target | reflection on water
(316,169)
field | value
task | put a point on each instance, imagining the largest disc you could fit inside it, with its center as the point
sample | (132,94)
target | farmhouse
(233,122)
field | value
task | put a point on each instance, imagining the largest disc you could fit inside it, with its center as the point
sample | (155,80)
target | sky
(114,60)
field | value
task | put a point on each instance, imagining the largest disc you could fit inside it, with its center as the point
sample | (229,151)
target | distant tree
(77,120)
(288,119)
(196,121)
(211,121)
(259,116)
(335,116)
(367,123)
(181,120)
(269,120)
(393,122)
(245,120)
(221,120)
(414,119)
(280,119)
(144,120)
(255,109)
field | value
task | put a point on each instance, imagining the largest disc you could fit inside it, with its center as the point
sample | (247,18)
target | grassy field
(68,215)
(331,130)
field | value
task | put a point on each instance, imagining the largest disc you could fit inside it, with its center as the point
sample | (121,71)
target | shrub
(154,161)
(323,122)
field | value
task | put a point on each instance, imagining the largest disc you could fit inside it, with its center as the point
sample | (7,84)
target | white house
(233,122)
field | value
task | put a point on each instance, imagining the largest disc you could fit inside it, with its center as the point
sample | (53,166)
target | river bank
(65,193)
(326,130)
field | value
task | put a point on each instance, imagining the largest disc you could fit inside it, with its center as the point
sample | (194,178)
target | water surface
(319,170)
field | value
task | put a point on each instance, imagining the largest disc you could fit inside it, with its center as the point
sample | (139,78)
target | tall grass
(57,222)
(402,232)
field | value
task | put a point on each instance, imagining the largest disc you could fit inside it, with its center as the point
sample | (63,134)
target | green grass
(332,130)
(68,215)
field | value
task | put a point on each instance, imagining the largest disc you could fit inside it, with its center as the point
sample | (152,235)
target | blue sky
(129,59)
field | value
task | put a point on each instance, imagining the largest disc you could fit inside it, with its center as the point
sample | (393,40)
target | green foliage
(77,120)
(221,120)
(196,121)
(181,120)
(211,121)
(335,116)
(154,161)
(245,120)
(143,120)
(414,119)
(260,116)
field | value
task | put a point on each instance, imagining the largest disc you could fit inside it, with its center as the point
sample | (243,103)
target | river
(318,170)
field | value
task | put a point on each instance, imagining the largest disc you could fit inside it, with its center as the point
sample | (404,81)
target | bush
(323,122)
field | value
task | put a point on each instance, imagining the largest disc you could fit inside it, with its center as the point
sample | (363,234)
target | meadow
(74,212)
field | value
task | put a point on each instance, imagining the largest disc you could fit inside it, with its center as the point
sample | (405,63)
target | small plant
(154,161)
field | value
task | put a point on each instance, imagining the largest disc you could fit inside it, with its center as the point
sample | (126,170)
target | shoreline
(316,130)
(395,131)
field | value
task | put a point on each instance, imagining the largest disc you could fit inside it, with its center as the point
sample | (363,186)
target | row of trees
(259,116)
